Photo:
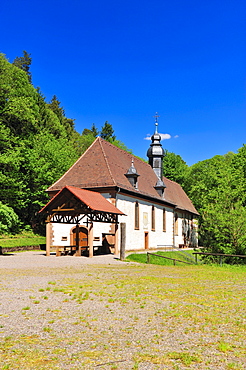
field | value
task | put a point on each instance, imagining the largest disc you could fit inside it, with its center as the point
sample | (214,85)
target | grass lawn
(142,258)
(124,317)
(21,240)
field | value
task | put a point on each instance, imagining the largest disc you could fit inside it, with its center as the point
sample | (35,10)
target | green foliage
(65,126)
(40,163)
(9,221)
(120,145)
(174,167)
(92,131)
(24,63)
(54,105)
(83,142)
(217,189)
(88,136)
(18,109)
(107,132)
(37,143)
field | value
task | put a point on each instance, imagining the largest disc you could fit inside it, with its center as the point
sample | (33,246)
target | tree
(174,167)
(66,123)
(83,142)
(107,132)
(217,189)
(55,106)
(24,63)
(120,145)
(18,108)
(36,147)
(93,130)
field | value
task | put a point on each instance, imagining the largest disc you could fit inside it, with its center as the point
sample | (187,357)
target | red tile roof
(94,200)
(105,165)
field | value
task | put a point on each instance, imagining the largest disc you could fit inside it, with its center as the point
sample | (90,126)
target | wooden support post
(122,241)
(48,237)
(78,248)
(90,240)
(116,244)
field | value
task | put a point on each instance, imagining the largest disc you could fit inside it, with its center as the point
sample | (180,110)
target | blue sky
(122,61)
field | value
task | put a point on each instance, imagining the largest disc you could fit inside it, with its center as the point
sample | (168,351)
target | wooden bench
(63,250)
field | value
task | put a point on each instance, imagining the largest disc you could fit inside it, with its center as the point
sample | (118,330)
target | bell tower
(156,154)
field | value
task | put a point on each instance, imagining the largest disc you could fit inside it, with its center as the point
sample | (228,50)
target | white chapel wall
(135,239)
(178,237)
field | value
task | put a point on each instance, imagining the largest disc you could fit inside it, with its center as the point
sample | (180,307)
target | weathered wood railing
(168,258)
(220,255)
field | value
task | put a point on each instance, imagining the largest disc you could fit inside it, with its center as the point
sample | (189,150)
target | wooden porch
(72,205)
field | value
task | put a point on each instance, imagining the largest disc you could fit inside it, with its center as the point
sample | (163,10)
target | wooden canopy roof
(71,205)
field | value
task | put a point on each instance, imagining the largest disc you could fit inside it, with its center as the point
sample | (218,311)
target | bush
(9,221)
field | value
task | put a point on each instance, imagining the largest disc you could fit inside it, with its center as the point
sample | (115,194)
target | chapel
(108,192)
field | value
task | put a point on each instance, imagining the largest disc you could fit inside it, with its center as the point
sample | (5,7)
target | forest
(38,143)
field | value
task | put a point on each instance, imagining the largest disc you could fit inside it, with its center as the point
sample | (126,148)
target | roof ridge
(106,160)
(132,155)
(70,168)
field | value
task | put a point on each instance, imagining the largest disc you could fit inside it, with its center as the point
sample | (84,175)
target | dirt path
(100,313)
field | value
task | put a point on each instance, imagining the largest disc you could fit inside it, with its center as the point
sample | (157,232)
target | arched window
(153,218)
(164,220)
(176,224)
(136,216)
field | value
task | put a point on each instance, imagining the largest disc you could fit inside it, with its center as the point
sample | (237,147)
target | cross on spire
(156,116)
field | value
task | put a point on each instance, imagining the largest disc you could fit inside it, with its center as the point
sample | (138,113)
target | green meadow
(24,239)
(154,258)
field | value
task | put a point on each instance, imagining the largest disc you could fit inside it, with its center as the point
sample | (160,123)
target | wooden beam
(63,209)
(122,241)
(116,244)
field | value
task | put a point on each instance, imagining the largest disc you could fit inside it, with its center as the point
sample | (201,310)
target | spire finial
(156,121)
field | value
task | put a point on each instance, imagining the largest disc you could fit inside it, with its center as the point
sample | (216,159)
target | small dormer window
(160,187)
(132,175)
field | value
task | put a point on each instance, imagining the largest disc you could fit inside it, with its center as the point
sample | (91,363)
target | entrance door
(82,236)
(146,240)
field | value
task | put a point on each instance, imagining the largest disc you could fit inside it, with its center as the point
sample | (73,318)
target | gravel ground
(80,313)
(25,260)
